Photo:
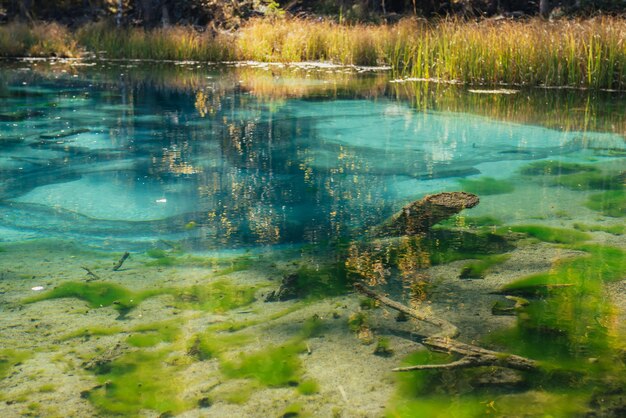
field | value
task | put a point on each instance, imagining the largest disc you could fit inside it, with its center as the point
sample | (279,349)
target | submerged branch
(472,356)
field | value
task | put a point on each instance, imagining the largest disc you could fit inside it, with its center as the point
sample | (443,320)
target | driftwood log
(443,342)
(419,216)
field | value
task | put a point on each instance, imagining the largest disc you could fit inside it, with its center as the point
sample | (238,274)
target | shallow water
(218,179)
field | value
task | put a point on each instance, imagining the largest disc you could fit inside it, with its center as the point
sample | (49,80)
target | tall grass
(575,53)
(43,40)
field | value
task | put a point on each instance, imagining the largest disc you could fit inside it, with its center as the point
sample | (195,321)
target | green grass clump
(591,181)
(602,264)
(273,366)
(308,387)
(153,334)
(486,186)
(97,295)
(612,229)
(330,280)
(139,380)
(478,269)
(207,345)
(611,203)
(220,296)
(549,234)
(555,168)
(10,358)
(445,246)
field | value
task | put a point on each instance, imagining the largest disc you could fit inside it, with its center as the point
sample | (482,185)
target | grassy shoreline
(577,53)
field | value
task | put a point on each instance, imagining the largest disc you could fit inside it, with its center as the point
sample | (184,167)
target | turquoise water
(235,177)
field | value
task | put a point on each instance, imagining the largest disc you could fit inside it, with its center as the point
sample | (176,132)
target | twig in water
(92,275)
(119,263)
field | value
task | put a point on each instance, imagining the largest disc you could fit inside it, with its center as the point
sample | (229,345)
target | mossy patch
(326,280)
(611,203)
(444,246)
(139,380)
(611,229)
(97,295)
(219,296)
(462,221)
(152,334)
(591,181)
(10,358)
(478,269)
(550,234)
(486,186)
(273,366)
(555,168)
(308,387)
(207,345)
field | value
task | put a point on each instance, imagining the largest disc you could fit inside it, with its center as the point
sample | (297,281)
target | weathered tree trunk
(421,215)
(544,8)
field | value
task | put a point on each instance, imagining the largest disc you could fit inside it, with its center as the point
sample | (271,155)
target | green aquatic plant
(97,295)
(219,296)
(208,345)
(238,264)
(611,229)
(139,380)
(555,168)
(611,203)
(591,181)
(462,221)
(444,246)
(486,186)
(273,366)
(478,269)
(10,358)
(383,347)
(322,281)
(152,334)
(550,234)
(156,253)
(308,387)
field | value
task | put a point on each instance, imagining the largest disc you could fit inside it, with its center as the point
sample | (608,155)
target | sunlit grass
(576,53)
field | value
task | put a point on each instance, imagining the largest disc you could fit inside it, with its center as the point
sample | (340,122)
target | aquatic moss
(207,345)
(10,358)
(486,186)
(444,246)
(238,264)
(156,253)
(555,168)
(139,380)
(462,221)
(308,387)
(153,334)
(219,296)
(273,366)
(611,203)
(97,295)
(478,269)
(611,229)
(550,234)
(591,181)
(317,282)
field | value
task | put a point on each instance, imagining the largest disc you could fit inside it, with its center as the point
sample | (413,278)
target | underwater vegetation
(10,358)
(219,296)
(486,186)
(97,295)
(591,181)
(550,234)
(478,269)
(555,168)
(611,203)
(139,380)
(612,229)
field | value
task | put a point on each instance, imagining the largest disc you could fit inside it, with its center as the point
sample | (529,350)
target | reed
(575,53)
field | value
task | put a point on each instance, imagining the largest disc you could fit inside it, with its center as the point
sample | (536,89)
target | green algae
(139,380)
(444,246)
(462,221)
(322,281)
(611,229)
(208,345)
(219,296)
(478,269)
(591,181)
(92,332)
(555,168)
(611,203)
(308,387)
(152,334)
(10,358)
(486,186)
(97,295)
(550,234)
(273,366)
